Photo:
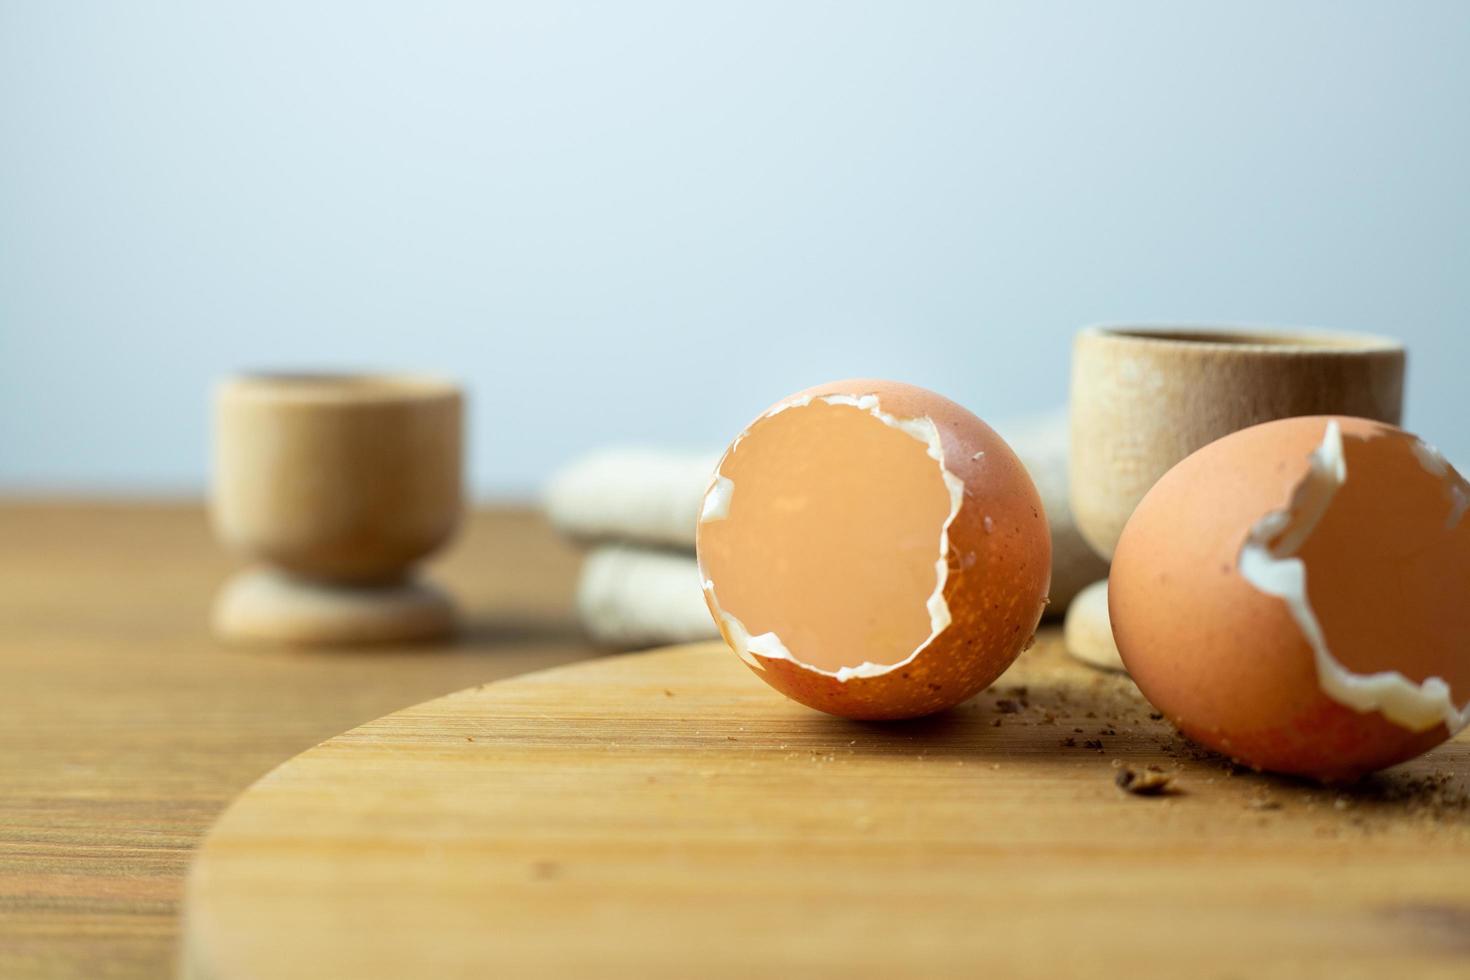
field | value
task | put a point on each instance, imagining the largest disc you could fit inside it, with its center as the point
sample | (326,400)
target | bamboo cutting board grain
(667,815)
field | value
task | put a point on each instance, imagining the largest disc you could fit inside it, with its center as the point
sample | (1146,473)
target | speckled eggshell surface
(998,560)
(1387,574)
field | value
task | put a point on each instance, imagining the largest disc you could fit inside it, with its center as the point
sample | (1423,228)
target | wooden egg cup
(336,485)
(1145,397)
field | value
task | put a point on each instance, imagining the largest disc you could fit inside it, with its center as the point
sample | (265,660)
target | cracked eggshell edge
(893,404)
(1276,571)
(768,645)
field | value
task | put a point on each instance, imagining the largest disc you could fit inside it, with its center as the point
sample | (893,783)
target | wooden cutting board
(667,815)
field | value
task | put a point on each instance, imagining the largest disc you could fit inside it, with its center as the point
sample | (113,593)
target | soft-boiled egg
(1296,595)
(873,550)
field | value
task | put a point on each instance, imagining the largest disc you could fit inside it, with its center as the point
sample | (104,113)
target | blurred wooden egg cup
(1145,397)
(336,486)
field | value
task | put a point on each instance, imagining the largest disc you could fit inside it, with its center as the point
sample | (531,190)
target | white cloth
(641,496)
(630,596)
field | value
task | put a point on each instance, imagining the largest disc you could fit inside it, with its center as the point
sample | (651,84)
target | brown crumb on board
(1152,781)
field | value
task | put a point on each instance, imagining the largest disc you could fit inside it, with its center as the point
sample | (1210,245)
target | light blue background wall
(646,221)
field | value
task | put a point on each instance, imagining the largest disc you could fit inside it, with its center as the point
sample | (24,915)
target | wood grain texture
(125,727)
(668,815)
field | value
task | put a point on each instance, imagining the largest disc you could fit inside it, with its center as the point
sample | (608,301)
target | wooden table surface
(125,728)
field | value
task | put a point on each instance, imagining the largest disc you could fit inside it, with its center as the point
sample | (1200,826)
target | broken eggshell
(1296,595)
(873,550)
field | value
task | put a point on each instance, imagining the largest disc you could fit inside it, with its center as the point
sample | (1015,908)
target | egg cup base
(265,606)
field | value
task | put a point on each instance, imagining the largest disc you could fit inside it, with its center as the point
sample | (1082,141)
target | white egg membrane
(1274,569)
(717,507)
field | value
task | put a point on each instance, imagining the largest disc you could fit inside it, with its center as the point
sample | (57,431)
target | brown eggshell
(1225,661)
(999,561)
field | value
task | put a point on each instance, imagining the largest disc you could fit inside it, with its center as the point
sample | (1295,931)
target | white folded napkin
(640,496)
(630,596)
